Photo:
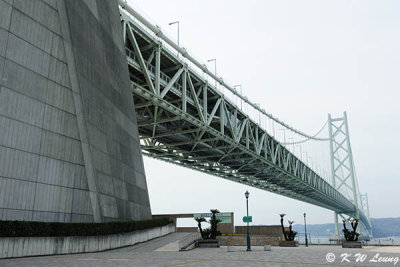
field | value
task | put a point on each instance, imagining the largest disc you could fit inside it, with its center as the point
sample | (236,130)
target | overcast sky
(301,60)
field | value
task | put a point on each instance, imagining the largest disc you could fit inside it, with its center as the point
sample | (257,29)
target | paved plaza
(163,252)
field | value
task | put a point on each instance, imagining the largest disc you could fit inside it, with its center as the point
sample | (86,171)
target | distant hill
(320,230)
(381,227)
(385,227)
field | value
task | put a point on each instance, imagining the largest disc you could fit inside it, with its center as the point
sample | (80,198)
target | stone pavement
(149,254)
(156,244)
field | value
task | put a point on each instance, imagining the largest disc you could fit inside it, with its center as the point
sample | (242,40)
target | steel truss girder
(216,122)
(306,175)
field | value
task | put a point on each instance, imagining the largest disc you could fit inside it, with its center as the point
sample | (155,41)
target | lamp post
(177,23)
(301,152)
(248,228)
(305,153)
(291,140)
(284,135)
(240,86)
(312,162)
(305,229)
(215,70)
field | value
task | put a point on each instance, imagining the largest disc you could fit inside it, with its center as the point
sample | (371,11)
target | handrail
(188,240)
(157,31)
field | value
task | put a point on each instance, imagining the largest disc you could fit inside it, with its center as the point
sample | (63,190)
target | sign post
(247,219)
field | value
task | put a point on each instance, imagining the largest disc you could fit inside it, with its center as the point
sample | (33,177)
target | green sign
(206,215)
(225,217)
(247,219)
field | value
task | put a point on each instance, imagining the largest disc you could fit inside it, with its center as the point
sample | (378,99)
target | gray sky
(301,60)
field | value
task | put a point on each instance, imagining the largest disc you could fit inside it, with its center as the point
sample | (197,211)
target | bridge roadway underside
(184,120)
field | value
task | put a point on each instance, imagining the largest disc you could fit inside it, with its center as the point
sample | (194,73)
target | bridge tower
(344,177)
(365,207)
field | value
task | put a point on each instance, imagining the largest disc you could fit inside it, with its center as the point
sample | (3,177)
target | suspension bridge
(190,117)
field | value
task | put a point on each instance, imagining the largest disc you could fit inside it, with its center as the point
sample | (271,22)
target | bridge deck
(183,119)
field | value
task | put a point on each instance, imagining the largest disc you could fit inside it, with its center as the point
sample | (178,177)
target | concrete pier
(69,146)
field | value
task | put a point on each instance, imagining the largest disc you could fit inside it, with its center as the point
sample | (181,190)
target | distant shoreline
(381,228)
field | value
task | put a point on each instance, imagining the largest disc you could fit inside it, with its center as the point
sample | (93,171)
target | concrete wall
(69,147)
(187,229)
(11,247)
(224,228)
(269,230)
(227,228)
(241,240)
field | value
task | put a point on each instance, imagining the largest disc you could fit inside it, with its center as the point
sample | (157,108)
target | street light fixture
(311,161)
(248,227)
(177,23)
(305,229)
(284,135)
(305,153)
(301,152)
(240,86)
(291,140)
(215,70)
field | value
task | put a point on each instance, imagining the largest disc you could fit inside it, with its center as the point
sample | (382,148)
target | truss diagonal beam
(140,58)
(171,83)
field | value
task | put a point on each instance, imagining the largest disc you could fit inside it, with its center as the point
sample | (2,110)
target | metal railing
(188,240)
(313,240)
